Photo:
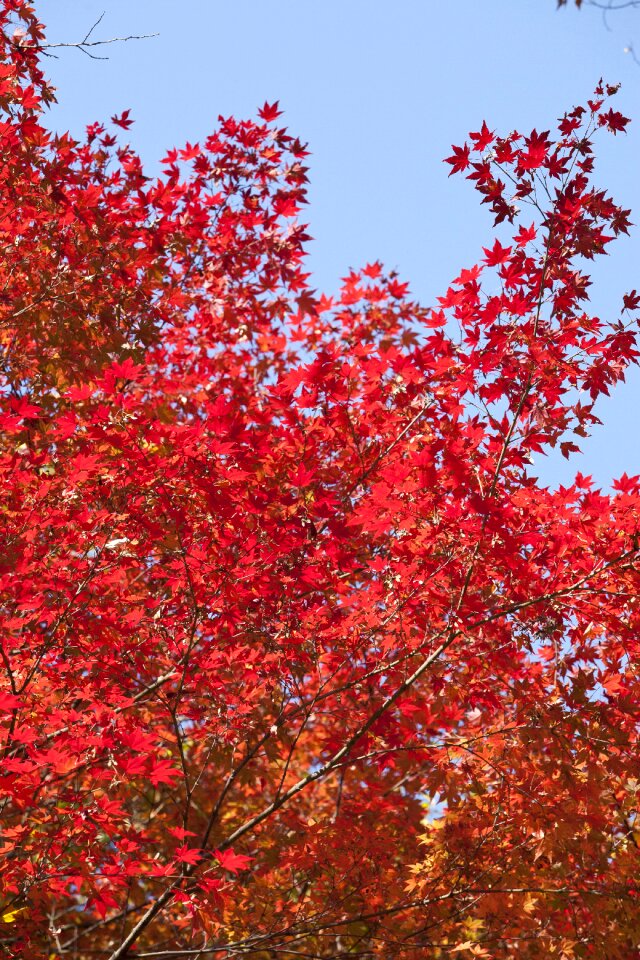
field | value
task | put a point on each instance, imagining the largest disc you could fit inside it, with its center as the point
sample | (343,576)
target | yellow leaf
(11,916)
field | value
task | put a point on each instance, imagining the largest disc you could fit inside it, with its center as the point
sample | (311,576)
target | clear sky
(380,90)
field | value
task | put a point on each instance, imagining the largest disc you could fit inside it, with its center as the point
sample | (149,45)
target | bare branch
(86,45)
(606,7)
(609,6)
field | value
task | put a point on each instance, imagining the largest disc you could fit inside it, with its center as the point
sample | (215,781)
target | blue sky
(379,90)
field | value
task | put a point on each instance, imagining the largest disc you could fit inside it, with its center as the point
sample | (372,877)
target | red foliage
(298,657)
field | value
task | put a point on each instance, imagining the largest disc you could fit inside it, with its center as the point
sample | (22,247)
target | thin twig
(86,43)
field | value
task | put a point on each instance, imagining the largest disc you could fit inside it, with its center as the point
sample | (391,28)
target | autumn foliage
(298,657)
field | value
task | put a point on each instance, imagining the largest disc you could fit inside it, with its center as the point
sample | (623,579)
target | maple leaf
(102,903)
(181,833)
(307,303)
(270,112)
(626,484)
(126,370)
(483,138)
(9,701)
(537,148)
(631,301)
(614,121)
(302,476)
(373,270)
(123,120)
(162,771)
(23,408)
(459,160)
(468,276)
(233,861)
(525,235)
(189,855)
(497,254)
(12,915)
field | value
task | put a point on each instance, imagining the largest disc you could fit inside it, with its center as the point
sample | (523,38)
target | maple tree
(298,657)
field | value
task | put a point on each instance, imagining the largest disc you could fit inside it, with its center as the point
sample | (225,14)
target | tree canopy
(298,656)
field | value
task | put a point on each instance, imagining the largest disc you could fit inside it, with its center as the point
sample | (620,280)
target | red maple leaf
(270,112)
(122,120)
(233,861)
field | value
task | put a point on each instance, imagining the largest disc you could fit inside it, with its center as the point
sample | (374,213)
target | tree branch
(86,44)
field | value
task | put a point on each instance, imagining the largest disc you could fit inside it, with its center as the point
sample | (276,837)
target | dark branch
(87,44)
